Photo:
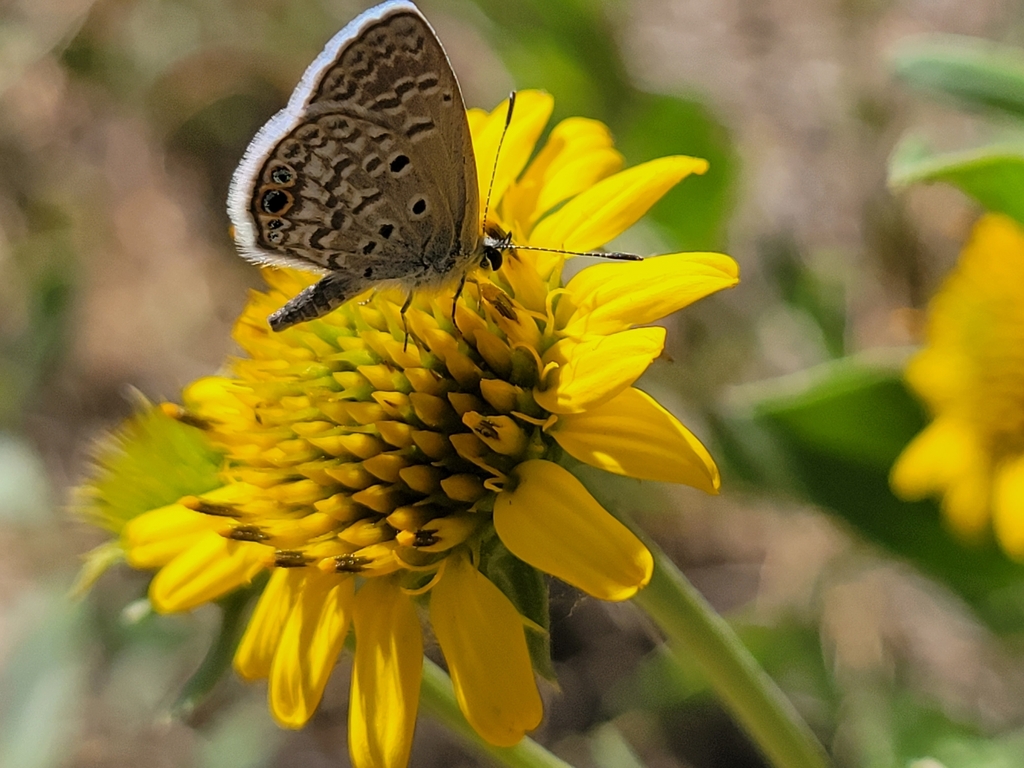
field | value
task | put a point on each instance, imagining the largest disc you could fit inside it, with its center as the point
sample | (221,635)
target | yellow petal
(259,643)
(931,462)
(531,113)
(552,523)
(154,538)
(309,646)
(594,371)
(484,643)
(578,153)
(210,568)
(633,435)
(610,207)
(611,297)
(1008,507)
(385,676)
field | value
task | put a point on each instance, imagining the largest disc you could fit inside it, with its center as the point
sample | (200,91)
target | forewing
(370,168)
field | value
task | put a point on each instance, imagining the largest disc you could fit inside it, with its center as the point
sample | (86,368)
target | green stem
(438,699)
(695,631)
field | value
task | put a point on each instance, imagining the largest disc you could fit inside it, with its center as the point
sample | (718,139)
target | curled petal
(385,676)
(309,646)
(210,568)
(612,297)
(259,643)
(633,435)
(610,207)
(484,643)
(594,371)
(552,523)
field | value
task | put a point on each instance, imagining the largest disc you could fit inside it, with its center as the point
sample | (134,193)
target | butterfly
(367,176)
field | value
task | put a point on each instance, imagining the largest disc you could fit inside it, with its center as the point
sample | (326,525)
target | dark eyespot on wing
(368,273)
(368,248)
(275,201)
(386,230)
(419,207)
(399,163)
(282,175)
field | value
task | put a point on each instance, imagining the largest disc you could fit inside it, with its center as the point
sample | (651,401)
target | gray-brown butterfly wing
(368,174)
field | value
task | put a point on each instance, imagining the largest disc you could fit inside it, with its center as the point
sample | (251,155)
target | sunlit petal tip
(611,297)
(633,435)
(608,208)
(550,521)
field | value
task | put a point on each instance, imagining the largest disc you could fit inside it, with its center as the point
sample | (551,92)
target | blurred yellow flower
(971,376)
(366,475)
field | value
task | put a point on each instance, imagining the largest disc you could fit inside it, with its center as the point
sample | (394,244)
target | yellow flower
(971,376)
(367,476)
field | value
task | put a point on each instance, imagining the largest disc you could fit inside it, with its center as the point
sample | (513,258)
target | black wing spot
(338,219)
(368,248)
(282,175)
(447,96)
(386,230)
(318,235)
(368,272)
(399,163)
(275,201)
(419,207)
(427,82)
(424,126)
(367,201)
(274,224)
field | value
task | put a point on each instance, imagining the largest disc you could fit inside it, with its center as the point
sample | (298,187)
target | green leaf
(527,588)
(975,73)
(217,662)
(830,436)
(993,175)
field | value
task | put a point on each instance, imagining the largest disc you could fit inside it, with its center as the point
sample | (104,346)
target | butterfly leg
(405,321)
(455,298)
(313,302)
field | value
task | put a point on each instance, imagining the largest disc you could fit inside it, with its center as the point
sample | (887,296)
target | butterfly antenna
(613,255)
(497,154)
